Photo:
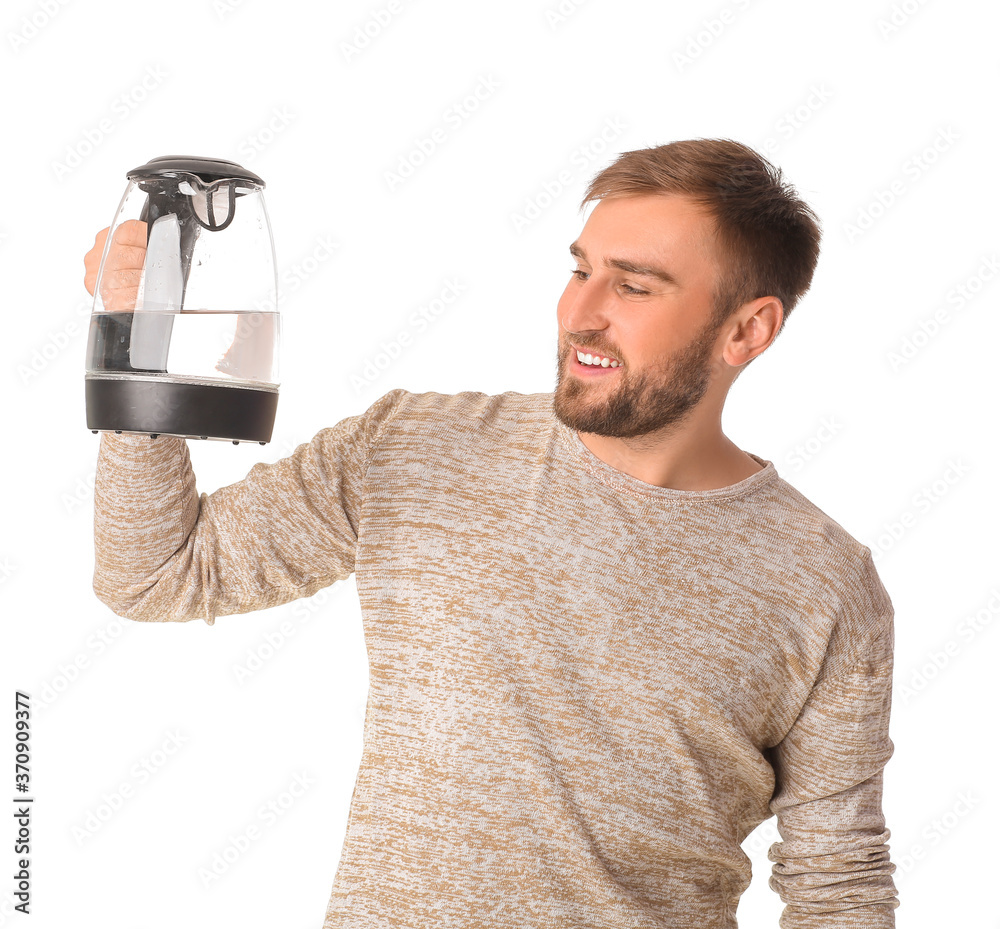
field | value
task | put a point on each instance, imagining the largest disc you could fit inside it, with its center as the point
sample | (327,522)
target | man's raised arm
(288,529)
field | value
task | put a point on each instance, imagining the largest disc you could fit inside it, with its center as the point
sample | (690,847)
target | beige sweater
(585,690)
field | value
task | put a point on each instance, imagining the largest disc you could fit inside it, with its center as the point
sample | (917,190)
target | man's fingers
(120,301)
(119,289)
(125,258)
(92,260)
(123,266)
(131,232)
(124,279)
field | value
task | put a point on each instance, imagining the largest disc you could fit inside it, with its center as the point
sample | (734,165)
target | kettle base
(156,406)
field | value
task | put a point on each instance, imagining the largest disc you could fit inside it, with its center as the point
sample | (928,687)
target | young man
(605,643)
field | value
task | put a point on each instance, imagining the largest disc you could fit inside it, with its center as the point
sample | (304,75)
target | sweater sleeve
(288,529)
(832,867)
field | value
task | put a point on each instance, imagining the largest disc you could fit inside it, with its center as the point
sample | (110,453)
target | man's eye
(632,291)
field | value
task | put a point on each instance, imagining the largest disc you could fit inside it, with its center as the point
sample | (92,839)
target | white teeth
(596,360)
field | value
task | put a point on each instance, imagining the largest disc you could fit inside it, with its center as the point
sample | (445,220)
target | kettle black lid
(207,169)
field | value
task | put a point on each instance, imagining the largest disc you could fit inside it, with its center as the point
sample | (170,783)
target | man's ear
(754,327)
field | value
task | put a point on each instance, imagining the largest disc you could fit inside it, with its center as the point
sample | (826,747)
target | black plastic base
(195,411)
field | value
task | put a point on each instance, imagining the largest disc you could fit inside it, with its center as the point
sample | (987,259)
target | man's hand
(123,269)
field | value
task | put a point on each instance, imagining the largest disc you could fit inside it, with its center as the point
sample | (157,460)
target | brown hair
(768,238)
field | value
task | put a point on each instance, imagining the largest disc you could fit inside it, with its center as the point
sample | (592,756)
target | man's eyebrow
(622,265)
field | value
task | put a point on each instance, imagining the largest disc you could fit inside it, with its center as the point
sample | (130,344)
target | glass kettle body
(184,333)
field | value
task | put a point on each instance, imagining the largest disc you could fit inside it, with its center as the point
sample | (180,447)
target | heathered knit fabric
(585,690)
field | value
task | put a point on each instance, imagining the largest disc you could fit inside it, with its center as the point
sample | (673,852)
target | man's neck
(679,462)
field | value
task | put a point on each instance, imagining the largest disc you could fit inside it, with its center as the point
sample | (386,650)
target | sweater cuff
(131,448)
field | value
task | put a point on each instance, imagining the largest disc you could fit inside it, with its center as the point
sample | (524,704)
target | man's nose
(583,308)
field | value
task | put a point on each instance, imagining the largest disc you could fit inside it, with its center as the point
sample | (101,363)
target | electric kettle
(184,332)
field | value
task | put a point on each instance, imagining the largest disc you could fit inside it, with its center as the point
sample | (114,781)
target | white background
(902,455)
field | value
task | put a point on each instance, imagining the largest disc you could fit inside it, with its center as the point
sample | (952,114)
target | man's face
(657,327)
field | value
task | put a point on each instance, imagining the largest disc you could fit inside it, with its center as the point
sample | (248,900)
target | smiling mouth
(593,360)
(581,369)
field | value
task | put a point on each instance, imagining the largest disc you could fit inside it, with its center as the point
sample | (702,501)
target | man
(605,643)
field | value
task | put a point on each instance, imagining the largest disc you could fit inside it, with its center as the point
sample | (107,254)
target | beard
(641,402)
